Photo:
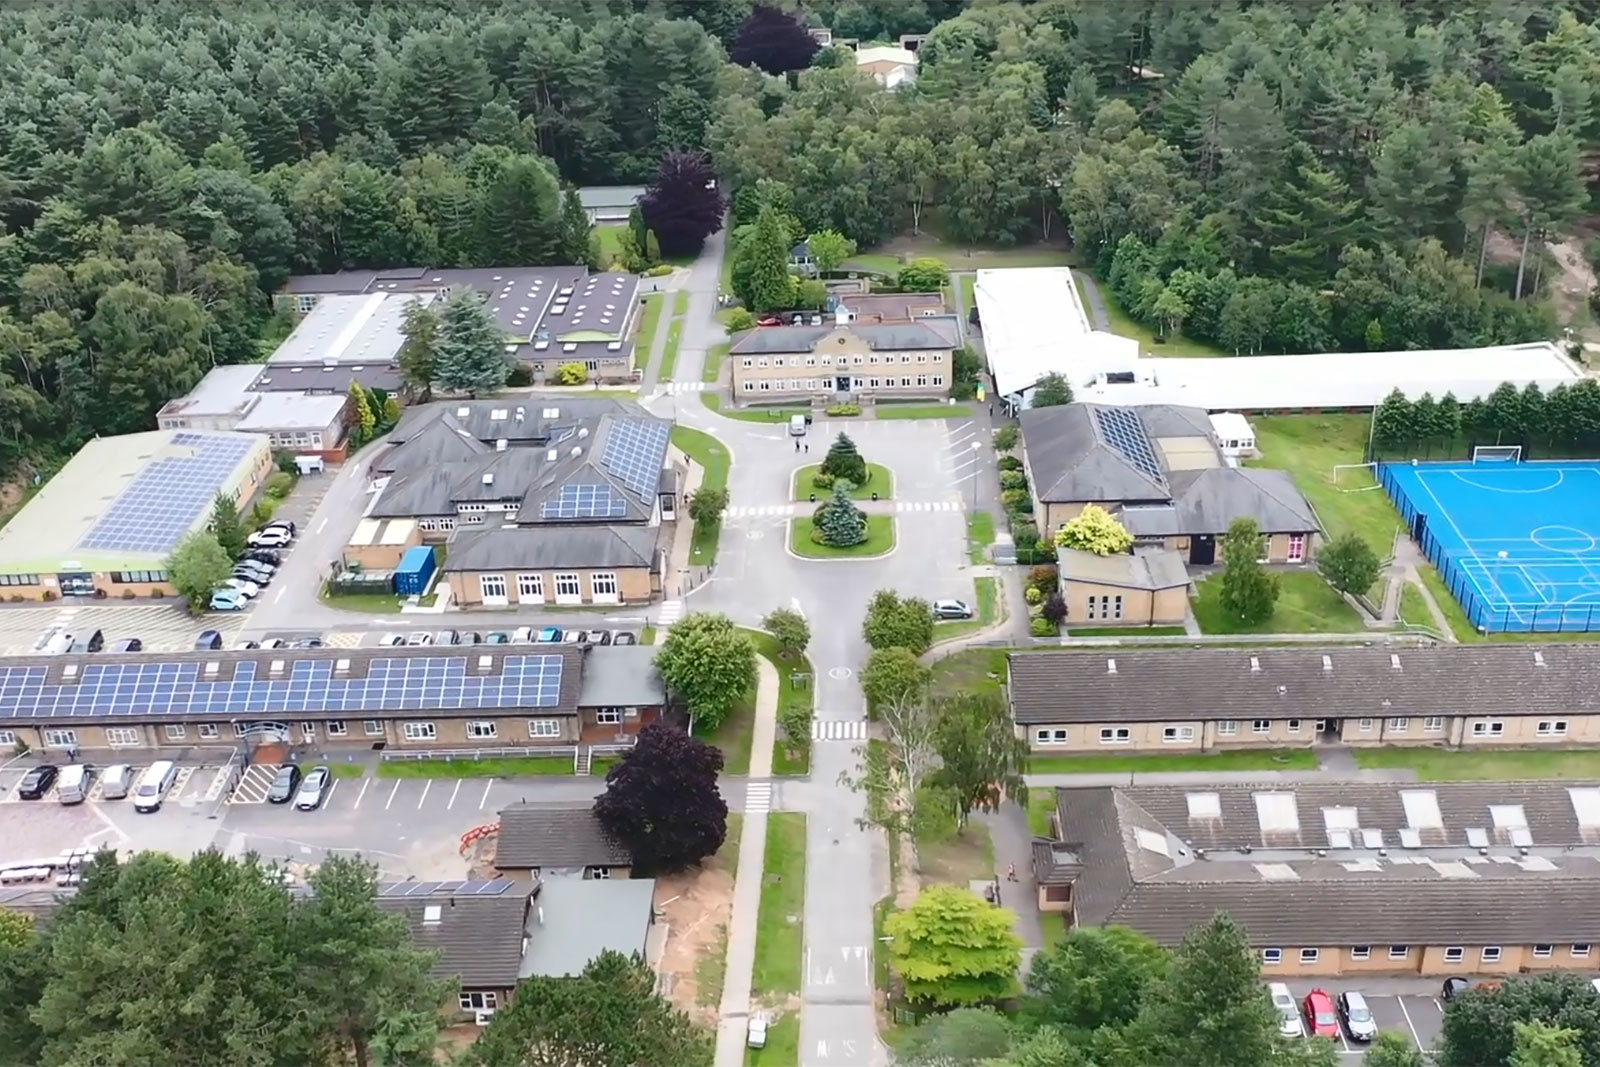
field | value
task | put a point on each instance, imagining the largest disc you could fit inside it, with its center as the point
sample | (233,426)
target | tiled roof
(555,834)
(889,337)
(478,935)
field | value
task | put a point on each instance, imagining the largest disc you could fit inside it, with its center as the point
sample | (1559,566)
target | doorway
(842,383)
(1203,550)
(76,584)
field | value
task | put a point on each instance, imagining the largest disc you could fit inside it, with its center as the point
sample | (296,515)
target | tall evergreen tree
(520,222)
(577,234)
(226,527)
(1249,593)
(470,356)
(761,275)
(1209,1010)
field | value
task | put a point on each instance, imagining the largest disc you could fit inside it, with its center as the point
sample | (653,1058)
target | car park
(1289,1024)
(419,638)
(623,637)
(497,637)
(313,788)
(548,636)
(597,637)
(264,555)
(37,782)
(1454,986)
(447,637)
(254,572)
(270,538)
(952,609)
(281,524)
(391,640)
(1356,1016)
(208,640)
(1321,1018)
(115,781)
(285,785)
(128,644)
(574,637)
(229,600)
(246,588)
(260,581)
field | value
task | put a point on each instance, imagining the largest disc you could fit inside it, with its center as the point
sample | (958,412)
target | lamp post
(976,446)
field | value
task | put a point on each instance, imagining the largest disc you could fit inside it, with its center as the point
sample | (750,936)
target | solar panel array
(635,452)
(496,888)
(1122,430)
(160,505)
(310,685)
(585,502)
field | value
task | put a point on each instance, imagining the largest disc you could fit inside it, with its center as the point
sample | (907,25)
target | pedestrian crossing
(671,612)
(838,730)
(927,505)
(763,511)
(773,511)
(758,797)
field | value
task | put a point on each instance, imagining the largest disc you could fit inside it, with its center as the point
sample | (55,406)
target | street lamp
(976,445)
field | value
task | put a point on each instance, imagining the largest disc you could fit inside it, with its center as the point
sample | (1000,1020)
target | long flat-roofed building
(1341,878)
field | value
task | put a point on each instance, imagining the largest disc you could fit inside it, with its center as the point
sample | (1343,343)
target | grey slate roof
(581,918)
(319,378)
(888,337)
(556,834)
(1070,463)
(1147,569)
(1341,682)
(550,547)
(479,938)
(1054,862)
(1146,862)
(622,676)
(1207,501)
(601,196)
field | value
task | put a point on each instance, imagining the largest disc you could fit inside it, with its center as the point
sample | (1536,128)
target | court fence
(1488,616)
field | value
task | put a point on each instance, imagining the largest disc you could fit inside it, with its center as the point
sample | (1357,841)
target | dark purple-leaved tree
(773,40)
(661,801)
(683,206)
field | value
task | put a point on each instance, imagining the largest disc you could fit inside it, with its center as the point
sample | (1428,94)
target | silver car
(1357,1017)
(1289,1024)
(115,781)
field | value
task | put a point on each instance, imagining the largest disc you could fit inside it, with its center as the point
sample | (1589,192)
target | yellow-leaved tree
(1094,529)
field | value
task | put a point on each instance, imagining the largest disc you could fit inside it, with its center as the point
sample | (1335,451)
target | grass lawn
(783,1045)
(1128,631)
(954,856)
(378,603)
(1041,805)
(976,669)
(600,767)
(987,593)
(733,737)
(610,241)
(706,451)
(879,481)
(1254,759)
(504,767)
(1308,447)
(669,357)
(649,320)
(922,411)
(347,770)
(958,255)
(1412,607)
(714,357)
(966,283)
(789,696)
(778,415)
(1443,765)
(1123,324)
(780,935)
(980,535)
(873,263)
(879,542)
(1306,605)
(647,636)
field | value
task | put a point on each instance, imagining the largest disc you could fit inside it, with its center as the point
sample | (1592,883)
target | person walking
(797,444)
(808,448)
(1011,872)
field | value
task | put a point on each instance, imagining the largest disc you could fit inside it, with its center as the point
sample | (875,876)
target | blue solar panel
(585,502)
(427,683)
(162,502)
(1121,430)
(635,452)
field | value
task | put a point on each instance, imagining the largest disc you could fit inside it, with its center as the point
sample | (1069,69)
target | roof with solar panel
(367,683)
(123,503)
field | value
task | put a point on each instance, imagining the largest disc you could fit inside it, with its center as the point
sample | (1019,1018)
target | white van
(58,644)
(73,785)
(797,425)
(153,785)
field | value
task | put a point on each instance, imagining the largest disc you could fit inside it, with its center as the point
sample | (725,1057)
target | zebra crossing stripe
(758,797)
(838,730)
(671,612)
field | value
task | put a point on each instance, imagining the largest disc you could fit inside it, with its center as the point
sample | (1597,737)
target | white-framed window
(1272,955)
(544,727)
(176,731)
(1433,724)
(472,1000)
(762,362)
(1488,728)
(420,731)
(1228,727)
(338,728)
(1552,728)
(1455,954)
(1580,952)
(603,587)
(492,586)
(1309,955)
(922,381)
(1294,726)
(482,730)
(905,382)
(938,379)
(1399,952)
(608,716)
(905,357)
(208,731)
(749,386)
(601,873)
(567,589)
(1177,733)
(1543,952)
(121,736)
(1115,735)
(1297,548)
(239,729)
(530,588)
(305,302)
(1364,725)
(872,383)
(1399,724)
(1360,952)
(1261,726)
(922,357)
(8,737)
(372,727)
(1490,954)
(60,738)
(1050,735)
(765,385)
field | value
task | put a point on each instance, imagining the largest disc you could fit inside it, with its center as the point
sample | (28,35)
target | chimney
(1255,665)
(1111,666)
(500,445)
(1327,664)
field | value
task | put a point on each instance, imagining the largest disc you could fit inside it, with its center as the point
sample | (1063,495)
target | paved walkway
(658,343)
(1202,778)
(1013,847)
(735,1011)
(1098,316)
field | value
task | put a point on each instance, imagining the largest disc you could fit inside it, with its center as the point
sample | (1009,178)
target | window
(1261,726)
(1294,726)
(1297,548)
(938,379)
(1433,724)
(530,587)
(1455,954)
(763,362)
(1543,952)
(420,731)
(482,730)
(544,728)
(1228,727)
(765,384)
(1119,735)
(1056,735)
(474,1001)
(1399,725)
(603,587)
(337,728)
(125,577)
(493,586)
(1309,955)
(1360,952)
(175,731)
(749,386)
(922,357)
(19,579)
(1116,607)
(1552,728)
(906,382)
(372,727)
(922,381)
(1272,955)
(239,729)
(872,383)
(1364,725)
(60,738)
(567,590)
(1580,952)
(1177,733)
(208,731)
(905,357)
(1490,954)
(1488,728)
(1399,952)
(608,716)
(121,736)
(304,302)
(8,737)
(602,873)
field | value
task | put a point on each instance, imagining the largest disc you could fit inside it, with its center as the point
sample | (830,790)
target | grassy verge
(1124,325)
(734,736)
(1413,609)
(647,636)
(377,603)
(783,1045)
(1306,605)
(966,283)
(922,411)
(505,767)
(714,458)
(1444,765)
(1128,631)
(780,934)
(347,770)
(980,535)
(954,856)
(879,542)
(879,481)
(960,256)
(789,697)
(1252,759)
(610,237)
(975,670)
(1041,806)
(873,263)
(669,357)
(770,415)
(714,357)
(1308,447)
(649,321)
(987,592)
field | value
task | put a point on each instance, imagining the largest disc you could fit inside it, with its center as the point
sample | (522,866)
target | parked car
(1454,986)
(1289,1024)
(497,637)
(769,320)
(757,1035)
(597,637)
(208,640)
(275,537)
(952,609)
(284,785)
(256,578)
(249,568)
(1357,1017)
(446,637)
(471,637)
(275,642)
(244,646)
(623,637)
(264,555)
(37,782)
(128,644)
(390,640)
(421,637)
(73,785)
(548,636)
(309,642)
(312,789)
(281,524)
(246,588)
(115,781)
(574,637)
(523,635)
(229,600)
(1321,1018)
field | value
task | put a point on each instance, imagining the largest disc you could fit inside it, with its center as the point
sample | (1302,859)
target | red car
(1321,1019)
(769,320)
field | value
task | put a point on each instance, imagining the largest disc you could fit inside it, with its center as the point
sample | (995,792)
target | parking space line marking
(1415,1040)
(426,784)
(453,793)
(332,787)
(392,792)
(364,783)
(1342,1041)
(486,787)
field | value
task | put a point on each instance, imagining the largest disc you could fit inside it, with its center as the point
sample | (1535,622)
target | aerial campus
(801,535)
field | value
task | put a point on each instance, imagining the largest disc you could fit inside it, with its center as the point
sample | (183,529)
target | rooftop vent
(497,415)
(1111,666)
(1327,663)
(488,479)
(500,444)
(462,413)
(431,915)
(1538,659)
(1283,690)
(540,346)
(614,346)
(1394,661)
(211,668)
(485,663)
(569,347)
(576,451)
(550,456)
(583,431)
(70,670)
(1255,665)
(341,665)
(276,667)
(551,413)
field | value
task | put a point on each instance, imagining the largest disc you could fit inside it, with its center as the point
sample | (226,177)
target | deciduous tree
(1480,1025)
(1094,529)
(710,664)
(707,504)
(661,800)
(420,328)
(226,527)
(830,248)
(773,40)
(1094,978)
(952,948)
(892,676)
(1349,564)
(683,205)
(966,1037)
(893,621)
(1249,593)
(196,567)
(981,759)
(1051,391)
(470,356)
(789,629)
(1391,1048)
(924,275)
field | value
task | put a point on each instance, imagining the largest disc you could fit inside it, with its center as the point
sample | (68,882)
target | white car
(272,537)
(522,635)
(420,638)
(390,640)
(758,1032)
(1289,1024)
(244,588)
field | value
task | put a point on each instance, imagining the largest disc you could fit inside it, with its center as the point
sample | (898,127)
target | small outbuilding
(1148,588)
(1235,436)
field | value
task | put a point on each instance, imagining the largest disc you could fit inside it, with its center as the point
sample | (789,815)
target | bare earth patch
(698,906)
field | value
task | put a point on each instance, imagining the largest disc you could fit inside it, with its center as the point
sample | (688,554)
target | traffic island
(879,484)
(880,541)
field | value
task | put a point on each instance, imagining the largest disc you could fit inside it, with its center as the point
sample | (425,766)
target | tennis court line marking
(1422,481)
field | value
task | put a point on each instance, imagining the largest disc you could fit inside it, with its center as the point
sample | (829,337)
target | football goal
(1497,454)
(1355,477)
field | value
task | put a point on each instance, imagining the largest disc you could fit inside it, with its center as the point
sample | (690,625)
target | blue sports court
(1517,543)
